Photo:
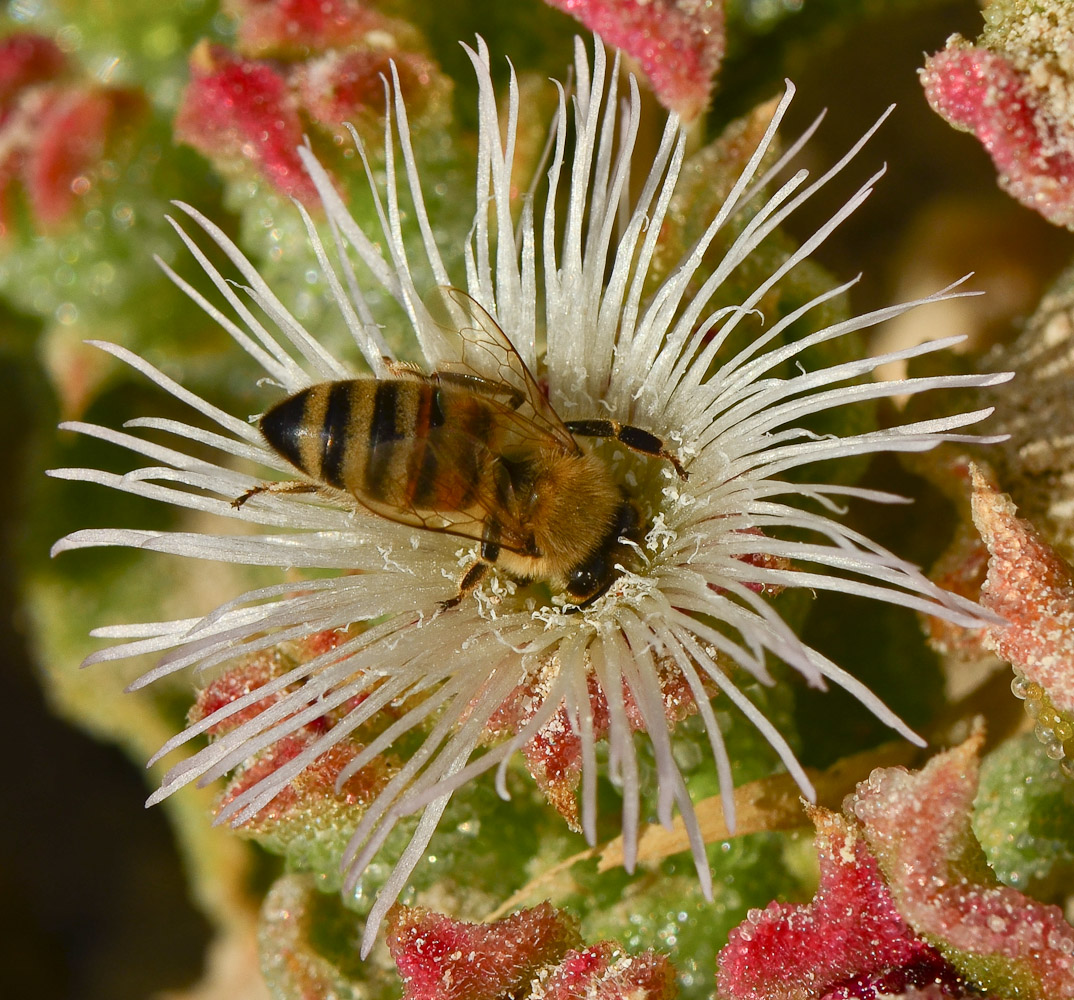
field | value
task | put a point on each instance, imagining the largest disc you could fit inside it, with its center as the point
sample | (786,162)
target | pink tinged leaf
(1031,587)
(444,959)
(930,978)
(9,168)
(311,798)
(25,60)
(53,133)
(342,86)
(240,114)
(292,919)
(602,972)
(252,672)
(762,560)
(983,92)
(850,933)
(962,567)
(72,133)
(237,682)
(918,826)
(554,758)
(960,570)
(322,642)
(678,43)
(296,28)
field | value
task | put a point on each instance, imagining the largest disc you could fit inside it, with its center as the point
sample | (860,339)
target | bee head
(590,578)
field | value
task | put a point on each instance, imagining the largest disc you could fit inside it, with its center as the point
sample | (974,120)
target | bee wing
(465,524)
(490,360)
(457,497)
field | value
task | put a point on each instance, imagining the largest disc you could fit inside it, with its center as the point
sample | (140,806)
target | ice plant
(678,45)
(1013,90)
(906,902)
(568,280)
(537,954)
(1032,588)
(917,825)
(850,941)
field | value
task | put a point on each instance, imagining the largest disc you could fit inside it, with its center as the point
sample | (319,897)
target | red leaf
(918,826)
(850,930)
(983,92)
(72,133)
(24,60)
(297,28)
(444,959)
(240,112)
(678,44)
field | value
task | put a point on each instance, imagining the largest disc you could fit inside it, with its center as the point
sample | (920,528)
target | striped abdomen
(386,440)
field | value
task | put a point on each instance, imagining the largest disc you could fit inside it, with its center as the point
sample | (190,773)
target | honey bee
(486,459)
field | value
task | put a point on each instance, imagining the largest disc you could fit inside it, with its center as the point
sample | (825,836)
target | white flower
(569,293)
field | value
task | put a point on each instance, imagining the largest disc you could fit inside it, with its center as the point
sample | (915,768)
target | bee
(483,458)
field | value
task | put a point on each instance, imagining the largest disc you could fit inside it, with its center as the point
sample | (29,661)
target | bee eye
(588,578)
(583,581)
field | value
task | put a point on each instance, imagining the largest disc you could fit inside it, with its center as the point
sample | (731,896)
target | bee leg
(490,552)
(402,369)
(634,438)
(293,486)
(482,386)
(471,578)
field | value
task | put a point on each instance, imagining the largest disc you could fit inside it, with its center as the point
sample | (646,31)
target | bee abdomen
(287,430)
(355,435)
(387,424)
